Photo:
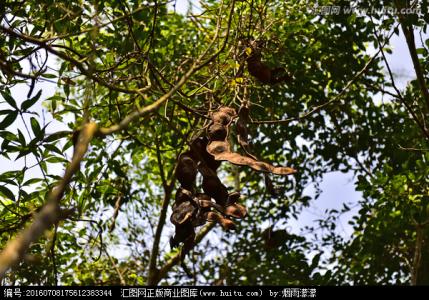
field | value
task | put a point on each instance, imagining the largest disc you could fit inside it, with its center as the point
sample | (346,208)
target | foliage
(111,59)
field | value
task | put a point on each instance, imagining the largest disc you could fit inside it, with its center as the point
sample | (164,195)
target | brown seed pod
(224,115)
(221,151)
(212,186)
(226,224)
(205,204)
(263,73)
(184,232)
(183,212)
(182,195)
(236,210)
(217,132)
(233,198)
(186,171)
(228,110)
(203,208)
(242,133)
(217,148)
(198,149)
(221,118)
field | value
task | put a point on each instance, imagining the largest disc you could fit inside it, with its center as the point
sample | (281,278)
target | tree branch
(409,37)
(417,255)
(398,92)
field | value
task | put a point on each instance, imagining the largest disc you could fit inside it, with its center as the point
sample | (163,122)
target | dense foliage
(149,77)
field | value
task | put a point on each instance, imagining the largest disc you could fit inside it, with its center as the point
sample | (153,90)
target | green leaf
(6,111)
(50,76)
(8,120)
(23,153)
(32,181)
(7,193)
(36,127)
(58,135)
(56,159)
(7,135)
(53,148)
(6,95)
(30,102)
(21,138)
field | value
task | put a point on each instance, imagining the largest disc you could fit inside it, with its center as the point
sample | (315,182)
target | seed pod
(228,110)
(221,118)
(226,224)
(242,133)
(213,187)
(182,195)
(233,198)
(198,148)
(186,171)
(224,115)
(217,132)
(236,210)
(217,148)
(183,232)
(183,213)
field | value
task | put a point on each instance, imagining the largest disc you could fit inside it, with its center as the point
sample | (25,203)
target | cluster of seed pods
(214,203)
(194,208)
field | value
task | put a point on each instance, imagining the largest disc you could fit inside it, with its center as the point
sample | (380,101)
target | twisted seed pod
(217,132)
(198,149)
(186,171)
(212,186)
(226,224)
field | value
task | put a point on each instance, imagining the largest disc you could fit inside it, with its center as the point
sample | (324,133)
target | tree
(137,83)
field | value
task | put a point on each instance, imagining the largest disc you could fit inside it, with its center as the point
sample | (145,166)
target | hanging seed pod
(207,204)
(233,198)
(218,148)
(236,210)
(186,171)
(204,204)
(226,224)
(183,232)
(221,151)
(198,148)
(212,185)
(242,134)
(217,132)
(183,212)
(224,115)
(182,195)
